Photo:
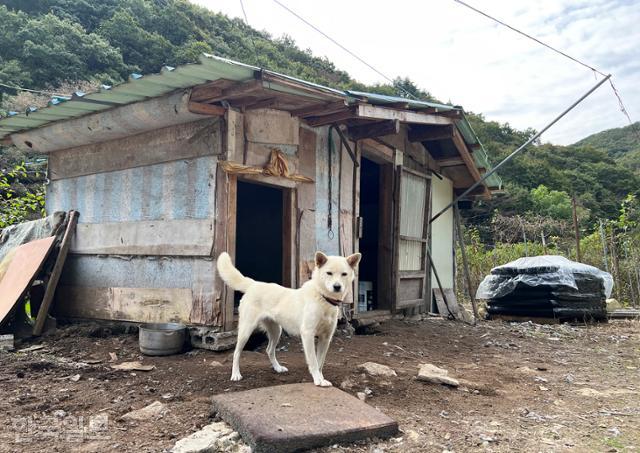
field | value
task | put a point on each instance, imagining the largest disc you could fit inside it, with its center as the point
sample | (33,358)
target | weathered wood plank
(430,133)
(306,203)
(52,282)
(188,237)
(382,113)
(125,304)
(195,139)
(377,152)
(206,109)
(376,129)
(272,126)
(231,219)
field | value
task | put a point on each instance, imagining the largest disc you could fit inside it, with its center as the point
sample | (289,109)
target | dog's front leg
(323,346)
(308,344)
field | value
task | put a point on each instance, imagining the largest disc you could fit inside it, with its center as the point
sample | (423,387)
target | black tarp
(547,286)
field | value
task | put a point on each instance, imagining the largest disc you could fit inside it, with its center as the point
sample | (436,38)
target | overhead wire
(354,55)
(616,93)
(253,43)
(18,88)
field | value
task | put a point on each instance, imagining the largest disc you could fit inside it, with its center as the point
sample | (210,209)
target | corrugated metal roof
(382,99)
(210,68)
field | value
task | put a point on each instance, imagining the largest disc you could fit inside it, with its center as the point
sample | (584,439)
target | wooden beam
(324,108)
(465,154)
(376,129)
(450,162)
(241,89)
(206,109)
(55,273)
(263,104)
(205,92)
(330,119)
(430,133)
(404,116)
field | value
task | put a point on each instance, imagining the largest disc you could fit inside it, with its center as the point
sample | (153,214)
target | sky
(464,58)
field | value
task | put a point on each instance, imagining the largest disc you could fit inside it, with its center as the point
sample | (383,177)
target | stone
(7,342)
(211,339)
(361,396)
(216,437)
(376,370)
(435,375)
(318,416)
(153,411)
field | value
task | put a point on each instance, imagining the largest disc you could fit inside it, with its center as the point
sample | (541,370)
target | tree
(552,203)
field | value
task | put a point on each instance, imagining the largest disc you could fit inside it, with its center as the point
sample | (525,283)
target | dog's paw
(323,383)
(280,369)
(236,376)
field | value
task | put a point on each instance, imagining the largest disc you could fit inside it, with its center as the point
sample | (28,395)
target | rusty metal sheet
(294,417)
(24,267)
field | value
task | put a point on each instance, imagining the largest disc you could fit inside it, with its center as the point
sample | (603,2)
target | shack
(168,170)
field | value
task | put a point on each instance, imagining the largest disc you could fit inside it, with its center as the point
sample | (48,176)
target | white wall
(442,232)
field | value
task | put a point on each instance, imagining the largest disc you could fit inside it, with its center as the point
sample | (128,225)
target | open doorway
(375,212)
(260,220)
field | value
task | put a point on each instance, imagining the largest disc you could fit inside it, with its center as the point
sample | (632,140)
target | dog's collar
(334,302)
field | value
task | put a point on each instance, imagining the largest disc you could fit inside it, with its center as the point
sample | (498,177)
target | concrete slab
(294,417)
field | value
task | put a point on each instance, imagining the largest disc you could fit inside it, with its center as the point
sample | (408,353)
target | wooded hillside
(57,45)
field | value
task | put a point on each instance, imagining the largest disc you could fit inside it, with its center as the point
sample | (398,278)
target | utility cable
(360,59)
(250,32)
(621,105)
(17,88)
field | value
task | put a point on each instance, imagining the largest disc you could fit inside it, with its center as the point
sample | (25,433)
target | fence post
(576,229)
(604,247)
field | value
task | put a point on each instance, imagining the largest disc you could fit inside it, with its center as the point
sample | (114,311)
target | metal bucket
(161,339)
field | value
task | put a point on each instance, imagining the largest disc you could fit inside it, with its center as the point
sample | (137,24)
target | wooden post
(55,273)
(435,272)
(544,242)
(615,266)
(604,247)
(465,262)
(576,229)
(629,274)
(524,237)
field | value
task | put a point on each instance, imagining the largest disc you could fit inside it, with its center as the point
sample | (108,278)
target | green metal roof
(210,68)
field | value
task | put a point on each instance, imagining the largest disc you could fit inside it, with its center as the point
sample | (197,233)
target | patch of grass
(614,442)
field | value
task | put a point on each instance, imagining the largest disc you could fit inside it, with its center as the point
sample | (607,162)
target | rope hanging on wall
(277,166)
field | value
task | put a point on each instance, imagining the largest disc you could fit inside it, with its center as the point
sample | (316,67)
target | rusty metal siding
(182,189)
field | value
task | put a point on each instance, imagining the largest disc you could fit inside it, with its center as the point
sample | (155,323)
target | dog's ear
(321,259)
(354,259)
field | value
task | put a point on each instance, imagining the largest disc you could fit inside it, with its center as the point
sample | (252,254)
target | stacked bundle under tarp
(547,286)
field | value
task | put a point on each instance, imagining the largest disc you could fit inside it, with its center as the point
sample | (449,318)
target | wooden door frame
(384,273)
(289,265)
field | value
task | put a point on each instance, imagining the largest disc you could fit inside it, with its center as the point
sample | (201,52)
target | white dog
(310,311)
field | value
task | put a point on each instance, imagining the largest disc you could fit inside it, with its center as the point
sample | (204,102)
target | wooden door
(411,236)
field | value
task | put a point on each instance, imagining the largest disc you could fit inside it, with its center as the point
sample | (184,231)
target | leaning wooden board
(24,268)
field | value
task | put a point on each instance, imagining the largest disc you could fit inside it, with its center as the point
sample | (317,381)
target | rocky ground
(521,387)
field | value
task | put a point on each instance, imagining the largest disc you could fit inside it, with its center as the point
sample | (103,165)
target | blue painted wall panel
(171,190)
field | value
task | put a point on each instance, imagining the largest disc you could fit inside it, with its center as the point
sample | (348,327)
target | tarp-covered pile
(547,286)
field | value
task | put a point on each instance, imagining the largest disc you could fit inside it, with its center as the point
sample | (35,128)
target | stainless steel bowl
(162,338)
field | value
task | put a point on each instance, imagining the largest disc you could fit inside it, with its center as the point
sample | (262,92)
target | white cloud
(462,57)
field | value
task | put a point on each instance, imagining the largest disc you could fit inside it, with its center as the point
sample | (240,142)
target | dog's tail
(231,275)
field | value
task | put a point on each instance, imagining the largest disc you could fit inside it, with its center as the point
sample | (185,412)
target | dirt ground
(532,388)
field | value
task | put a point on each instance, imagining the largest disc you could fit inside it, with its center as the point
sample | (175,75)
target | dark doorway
(259,232)
(369,242)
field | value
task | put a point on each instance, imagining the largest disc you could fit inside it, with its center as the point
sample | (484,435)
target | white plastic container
(365,296)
